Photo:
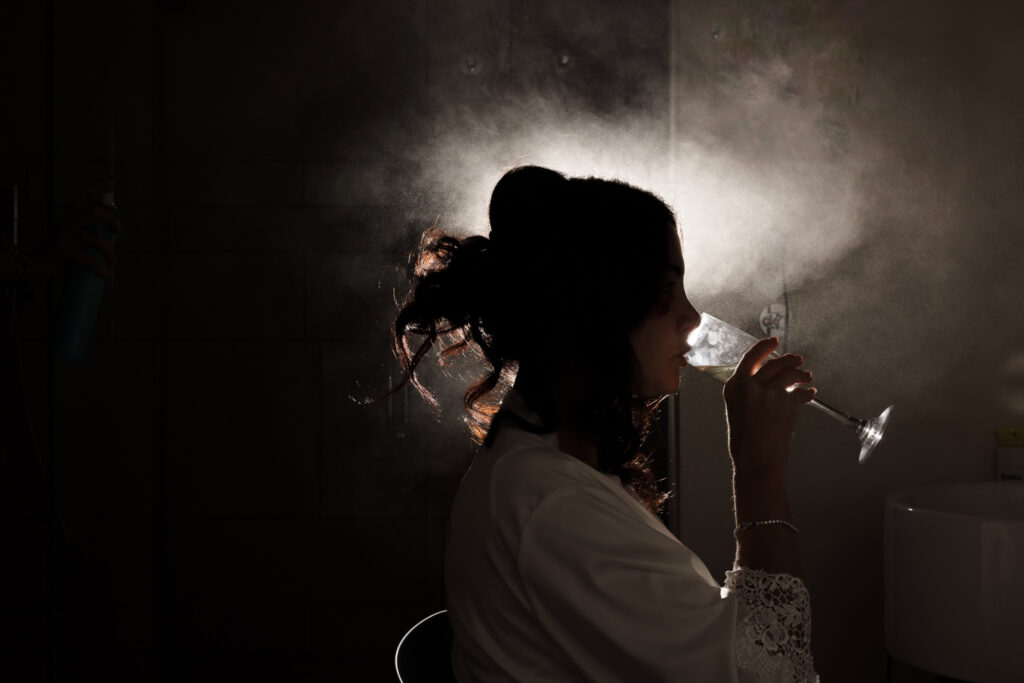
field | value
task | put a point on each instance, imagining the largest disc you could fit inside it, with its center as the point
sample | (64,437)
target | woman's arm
(773,629)
(761,415)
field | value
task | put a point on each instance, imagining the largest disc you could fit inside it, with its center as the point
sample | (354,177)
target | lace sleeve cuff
(773,633)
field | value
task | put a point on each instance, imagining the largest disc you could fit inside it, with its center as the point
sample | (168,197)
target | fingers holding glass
(754,357)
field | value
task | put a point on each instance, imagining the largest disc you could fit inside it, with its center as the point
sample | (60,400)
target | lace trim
(774,636)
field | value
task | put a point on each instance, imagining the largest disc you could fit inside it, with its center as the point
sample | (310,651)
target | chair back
(425,652)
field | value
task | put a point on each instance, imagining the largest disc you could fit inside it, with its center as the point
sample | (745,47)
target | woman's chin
(667,388)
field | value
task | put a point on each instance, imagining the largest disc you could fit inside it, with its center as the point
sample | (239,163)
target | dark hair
(570,268)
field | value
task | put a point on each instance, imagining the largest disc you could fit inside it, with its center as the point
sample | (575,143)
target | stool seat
(425,652)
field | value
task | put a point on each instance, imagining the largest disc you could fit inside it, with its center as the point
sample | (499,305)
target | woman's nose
(689,319)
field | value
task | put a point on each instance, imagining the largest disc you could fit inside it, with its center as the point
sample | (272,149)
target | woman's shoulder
(522,458)
(526,468)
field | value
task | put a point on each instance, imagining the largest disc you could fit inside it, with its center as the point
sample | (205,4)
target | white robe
(556,572)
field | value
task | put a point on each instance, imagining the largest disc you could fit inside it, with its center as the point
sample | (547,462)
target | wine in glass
(717,348)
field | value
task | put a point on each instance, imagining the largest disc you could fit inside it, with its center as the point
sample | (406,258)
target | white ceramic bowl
(954,580)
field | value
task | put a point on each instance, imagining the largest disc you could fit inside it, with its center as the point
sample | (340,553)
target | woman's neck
(575,443)
(571,439)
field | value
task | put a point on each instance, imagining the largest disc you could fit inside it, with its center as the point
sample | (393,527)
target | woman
(558,568)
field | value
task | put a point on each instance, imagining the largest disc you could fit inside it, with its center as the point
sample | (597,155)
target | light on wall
(471,65)
(563,61)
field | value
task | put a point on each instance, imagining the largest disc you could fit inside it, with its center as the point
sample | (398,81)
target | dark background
(223,510)
(203,500)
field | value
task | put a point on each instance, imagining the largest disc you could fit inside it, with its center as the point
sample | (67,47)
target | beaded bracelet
(747,525)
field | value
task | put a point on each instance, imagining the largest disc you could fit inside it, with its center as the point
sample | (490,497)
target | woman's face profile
(660,340)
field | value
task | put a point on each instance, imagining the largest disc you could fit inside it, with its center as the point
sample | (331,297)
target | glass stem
(837,414)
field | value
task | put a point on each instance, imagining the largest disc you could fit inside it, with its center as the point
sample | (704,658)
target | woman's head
(589,270)
(578,289)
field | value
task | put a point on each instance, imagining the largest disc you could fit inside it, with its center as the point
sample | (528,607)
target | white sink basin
(954,580)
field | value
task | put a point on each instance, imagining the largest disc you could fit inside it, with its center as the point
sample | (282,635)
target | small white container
(954,599)
(1010,455)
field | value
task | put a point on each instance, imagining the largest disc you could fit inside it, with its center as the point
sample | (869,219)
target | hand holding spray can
(82,292)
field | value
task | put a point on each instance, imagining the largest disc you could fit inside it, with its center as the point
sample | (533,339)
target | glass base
(871,432)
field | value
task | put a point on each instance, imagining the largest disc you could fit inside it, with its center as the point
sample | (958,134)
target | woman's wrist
(772,547)
(760,495)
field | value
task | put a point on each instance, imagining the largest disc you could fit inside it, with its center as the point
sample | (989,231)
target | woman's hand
(761,412)
(73,235)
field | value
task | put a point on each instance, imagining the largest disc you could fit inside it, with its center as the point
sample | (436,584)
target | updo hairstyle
(569,269)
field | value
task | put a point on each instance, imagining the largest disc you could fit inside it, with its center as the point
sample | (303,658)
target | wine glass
(716,350)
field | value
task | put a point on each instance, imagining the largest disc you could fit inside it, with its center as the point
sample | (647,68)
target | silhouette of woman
(558,568)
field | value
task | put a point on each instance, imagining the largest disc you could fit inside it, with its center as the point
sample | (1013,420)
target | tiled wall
(224,509)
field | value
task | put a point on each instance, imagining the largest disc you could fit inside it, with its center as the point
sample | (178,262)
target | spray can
(79,303)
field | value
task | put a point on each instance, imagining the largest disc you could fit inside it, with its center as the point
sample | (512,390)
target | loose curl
(570,268)
(447,302)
